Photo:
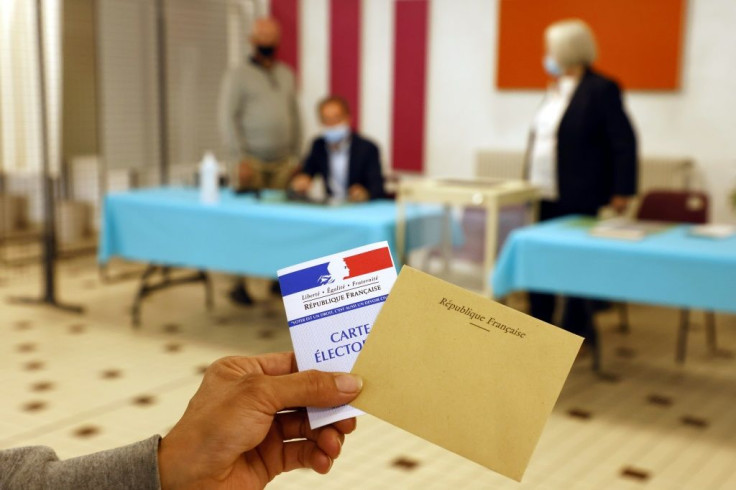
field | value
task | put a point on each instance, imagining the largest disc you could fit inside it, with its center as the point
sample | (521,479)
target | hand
(301,183)
(245,174)
(619,204)
(358,193)
(233,436)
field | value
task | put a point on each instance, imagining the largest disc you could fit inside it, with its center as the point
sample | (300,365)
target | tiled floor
(90,382)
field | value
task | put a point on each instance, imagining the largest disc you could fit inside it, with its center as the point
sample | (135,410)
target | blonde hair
(571,42)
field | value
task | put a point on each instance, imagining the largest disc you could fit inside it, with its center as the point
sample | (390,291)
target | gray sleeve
(128,467)
(228,114)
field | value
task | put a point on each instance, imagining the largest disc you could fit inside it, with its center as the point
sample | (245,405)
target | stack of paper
(713,231)
(627,229)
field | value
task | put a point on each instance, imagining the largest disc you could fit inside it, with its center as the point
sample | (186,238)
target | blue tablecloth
(242,235)
(670,268)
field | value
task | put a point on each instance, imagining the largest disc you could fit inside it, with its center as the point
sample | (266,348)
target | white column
(313,61)
(377,73)
(19,89)
(53,70)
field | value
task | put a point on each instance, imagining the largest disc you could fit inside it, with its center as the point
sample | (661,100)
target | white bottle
(209,176)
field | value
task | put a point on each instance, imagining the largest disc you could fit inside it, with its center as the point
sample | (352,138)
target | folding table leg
(209,298)
(682,337)
(623,314)
(142,292)
(446,240)
(596,359)
(532,212)
(489,260)
(149,286)
(401,245)
(592,335)
(710,331)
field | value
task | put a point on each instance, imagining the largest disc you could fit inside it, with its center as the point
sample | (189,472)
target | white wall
(314,61)
(197,57)
(376,82)
(79,97)
(21,135)
(377,62)
(466,112)
(127,71)
(700,120)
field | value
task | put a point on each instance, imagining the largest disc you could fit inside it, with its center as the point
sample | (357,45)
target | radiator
(500,164)
(84,173)
(654,172)
(664,173)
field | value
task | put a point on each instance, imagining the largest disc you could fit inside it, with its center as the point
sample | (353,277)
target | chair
(676,206)
(391,185)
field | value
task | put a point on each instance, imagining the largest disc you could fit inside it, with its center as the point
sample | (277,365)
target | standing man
(349,164)
(259,120)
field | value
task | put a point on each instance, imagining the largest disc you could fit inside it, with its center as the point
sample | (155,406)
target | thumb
(314,389)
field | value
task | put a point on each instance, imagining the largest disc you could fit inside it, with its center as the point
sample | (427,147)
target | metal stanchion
(48,296)
(163,106)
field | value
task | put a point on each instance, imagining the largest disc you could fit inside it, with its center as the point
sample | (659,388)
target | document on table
(463,372)
(331,304)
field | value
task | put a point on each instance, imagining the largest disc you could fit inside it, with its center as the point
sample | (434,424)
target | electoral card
(331,304)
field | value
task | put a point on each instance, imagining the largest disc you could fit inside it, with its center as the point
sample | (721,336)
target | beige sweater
(258,113)
(129,467)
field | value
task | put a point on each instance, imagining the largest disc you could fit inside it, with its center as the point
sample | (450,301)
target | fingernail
(348,383)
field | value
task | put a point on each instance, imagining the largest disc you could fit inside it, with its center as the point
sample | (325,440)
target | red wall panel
(287,13)
(410,73)
(345,22)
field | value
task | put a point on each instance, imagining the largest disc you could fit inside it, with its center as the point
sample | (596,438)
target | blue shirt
(339,156)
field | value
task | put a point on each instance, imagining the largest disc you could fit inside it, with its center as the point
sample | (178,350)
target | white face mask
(551,66)
(335,134)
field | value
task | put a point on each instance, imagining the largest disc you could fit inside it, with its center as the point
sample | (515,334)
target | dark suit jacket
(364,166)
(596,147)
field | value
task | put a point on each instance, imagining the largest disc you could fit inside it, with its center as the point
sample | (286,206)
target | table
(243,235)
(669,268)
(246,236)
(491,194)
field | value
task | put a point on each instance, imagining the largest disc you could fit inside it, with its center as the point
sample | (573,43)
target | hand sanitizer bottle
(209,190)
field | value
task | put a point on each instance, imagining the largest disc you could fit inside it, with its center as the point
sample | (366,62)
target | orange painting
(639,41)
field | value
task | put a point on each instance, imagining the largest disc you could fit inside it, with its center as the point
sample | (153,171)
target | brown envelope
(463,372)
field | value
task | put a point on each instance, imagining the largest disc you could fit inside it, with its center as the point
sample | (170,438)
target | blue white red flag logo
(335,270)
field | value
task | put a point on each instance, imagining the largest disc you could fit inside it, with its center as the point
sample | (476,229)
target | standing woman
(582,150)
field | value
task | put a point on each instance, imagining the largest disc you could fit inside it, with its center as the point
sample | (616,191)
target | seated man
(349,164)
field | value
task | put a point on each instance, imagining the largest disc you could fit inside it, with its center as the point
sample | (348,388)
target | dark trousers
(577,315)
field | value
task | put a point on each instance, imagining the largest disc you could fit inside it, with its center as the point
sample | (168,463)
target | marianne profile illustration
(336,269)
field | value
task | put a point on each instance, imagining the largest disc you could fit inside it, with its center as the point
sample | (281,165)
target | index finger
(278,363)
(275,364)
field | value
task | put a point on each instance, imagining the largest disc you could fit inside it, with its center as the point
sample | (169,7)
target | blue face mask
(551,66)
(335,134)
